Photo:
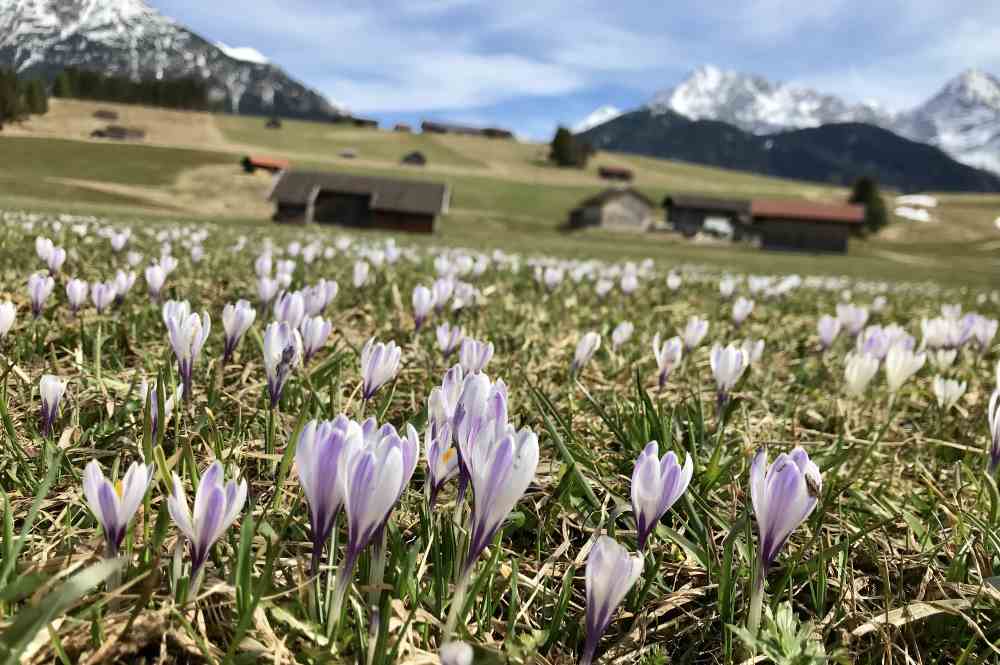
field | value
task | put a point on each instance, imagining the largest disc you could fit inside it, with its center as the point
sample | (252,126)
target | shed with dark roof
(796,225)
(304,197)
(688,214)
(616,208)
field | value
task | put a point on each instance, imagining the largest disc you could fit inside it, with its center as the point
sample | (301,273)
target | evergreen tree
(10,97)
(567,151)
(36,101)
(866,193)
(62,88)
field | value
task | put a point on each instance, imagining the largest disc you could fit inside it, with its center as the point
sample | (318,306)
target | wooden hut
(432,127)
(688,214)
(415,158)
(618,173)
(402,128)
(252,163)
(624,209)
(303,197)
(804,225)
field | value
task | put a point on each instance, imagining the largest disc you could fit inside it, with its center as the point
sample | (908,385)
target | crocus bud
(858,372)
(361,272)
(783,495)
(236,321)
(456,653)
(187,336)
(314,331)
(621,334)
(603,287)
(668,356)
(828,328)
(900,364)
(217,504)
(379,365)
(475,355)
(51,390)
(267,288)
(43,247)
(102,294)
(449,338)
(118,241)
(39,289)
(56,259)
(674,281)
(282,353)
(155,277)
(8,314)
(753,350)
(442,458)
(114,504)
(948,392)
(441,291)
(423,303)
(728,364)
(76,294)
(123,284)
(657,483)
(727,285)
(585,350)
(852,317)
(321,450)
(611,573)
(694,332)
(290,308)
(742,308)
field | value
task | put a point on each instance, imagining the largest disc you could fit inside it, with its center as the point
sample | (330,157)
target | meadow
(410,451)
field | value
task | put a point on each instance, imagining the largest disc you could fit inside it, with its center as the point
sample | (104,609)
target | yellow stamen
(119,488)
(448,454)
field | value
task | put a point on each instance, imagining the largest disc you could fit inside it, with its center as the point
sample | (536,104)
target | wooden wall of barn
(802,235)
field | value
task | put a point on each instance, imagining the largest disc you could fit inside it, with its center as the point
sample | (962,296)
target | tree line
(20,98)
(183,93)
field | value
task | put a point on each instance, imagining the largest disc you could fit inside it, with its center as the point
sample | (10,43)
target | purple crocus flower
(51,389)
(321,450)
(728,364)
(155,278)
(742,308)
(56,259)
(783,495)
(657,483)
(282,353)
(442,459)
(217,504)
(39,289)
(236,320)
(993,418)
(102,294)
(585,350)
(668,355)
(187,334)
(449,338)
(379,365)
(423,303)
(852,317)
(76,294)
(475,355)
(611,573)
(290,308)
(114,504)
(694,332)
(314,331)
(124,281)
(828,328)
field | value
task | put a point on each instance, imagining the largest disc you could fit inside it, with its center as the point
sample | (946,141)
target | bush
(566,150)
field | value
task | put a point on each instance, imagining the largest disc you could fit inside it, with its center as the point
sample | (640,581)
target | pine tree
(10,97)
(866,193)
(63,87)
(567,151)
(36,101)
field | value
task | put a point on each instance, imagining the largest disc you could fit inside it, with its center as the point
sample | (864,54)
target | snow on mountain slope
(130,38)
(598,117)
(244,53)
(963,119)
(757,105)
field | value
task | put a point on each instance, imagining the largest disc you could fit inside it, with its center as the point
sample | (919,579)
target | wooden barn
(432,127)
(618,173)
(402,128)
(415,158)
(622,209)
(804,225)
(303,197)
(252,163)
(688,214)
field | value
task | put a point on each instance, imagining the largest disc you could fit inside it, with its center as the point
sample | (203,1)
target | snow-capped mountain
(963,119)
(757,105)
(598,117)
(130,38)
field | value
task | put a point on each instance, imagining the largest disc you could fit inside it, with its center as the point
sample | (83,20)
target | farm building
(119,133)
(252,163)
(615,173)
(623,209)
(466,130)
(415,158)
(804,225)
(302,197)
(402,128)
(688,214)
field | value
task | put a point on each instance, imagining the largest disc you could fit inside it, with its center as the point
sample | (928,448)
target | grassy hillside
(504,192)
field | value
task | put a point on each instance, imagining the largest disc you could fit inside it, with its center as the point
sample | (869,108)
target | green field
(503,192)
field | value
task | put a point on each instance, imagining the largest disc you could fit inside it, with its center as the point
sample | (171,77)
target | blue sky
(531,64)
